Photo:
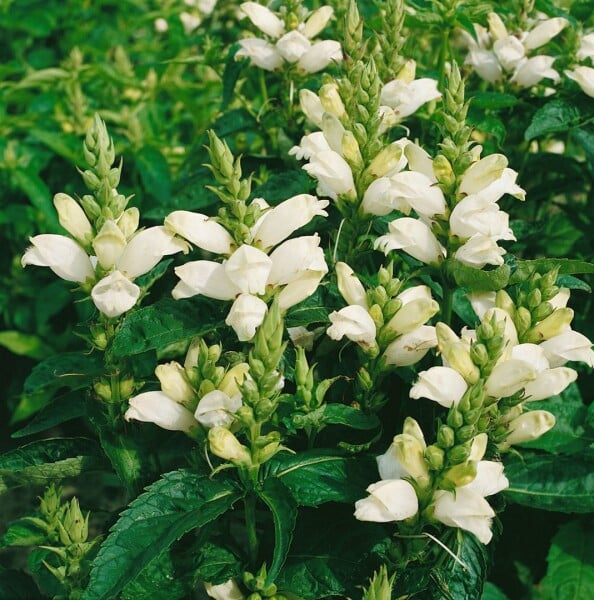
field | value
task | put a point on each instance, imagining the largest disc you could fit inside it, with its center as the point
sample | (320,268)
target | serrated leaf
(342,414)
(525,268)
(554,117)
(549,482)
(467,582)
(48,460)
(281,504)
(570,572)
(216,564)
(316,477)
(164,323)
(23,532)
(179,502)
(59,410)
(311,310)
(477,279)
(573,283)
(71,370)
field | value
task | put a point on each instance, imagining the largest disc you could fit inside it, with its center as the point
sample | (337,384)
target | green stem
(250,526)
(447,303)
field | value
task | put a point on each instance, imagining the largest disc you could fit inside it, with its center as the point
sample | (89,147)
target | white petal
(320,55)
(349,286)
(216,409)
(294,257)
(200,230)
(489,478)
(156,407)
(300,289)
(411,347)
(355,323)
(441,384)
(204,277)
(115,294)
(549,383)
(261,53)
(264,19)
(246,315)
(248,269)
(292,46)
(317,21)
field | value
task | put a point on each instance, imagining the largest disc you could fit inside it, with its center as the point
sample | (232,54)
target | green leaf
(282,185)
(59,410)
(279,500)
(570,572)
(573,283)
(66,145)
(549,482)
(467,582)
(48,460)
(72,370)
(492,592)
(154,173)
(477,279)
(40,197)
(179,502)
(316,477)
(342,414)
(25,344)
(585,138)
(216,564)
(16,585)
(233,69)
(164,323)
(492,100)
(569,434)
(554,117)
(525,268)
(24,532)
(311,310)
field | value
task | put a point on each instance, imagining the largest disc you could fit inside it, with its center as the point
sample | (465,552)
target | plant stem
(250,526)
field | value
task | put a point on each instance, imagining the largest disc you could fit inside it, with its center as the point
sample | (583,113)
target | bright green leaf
(477,279)
(554,117)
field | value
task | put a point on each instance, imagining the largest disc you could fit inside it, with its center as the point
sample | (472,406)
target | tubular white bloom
(334,132)
(418,159)
(567,346)
(544,32)
(311,106)
(485,63)
(381,198)
(204,277)
(441,384)
(532,70)
(331,100)
(476,214)
(189,22)
(389,161)
(332,172)
(129,221)
(509,52)
(584,77)
(261,53)
(406,98)
(586,49)
(411,347)
(355,323)
(505,184)
(310,145)
(417,307)
(62,255)
(349,285)
(561,298)
(317,21)
(246,315)
(529,426)
(482,173)
(389,500)
(174,383)
(482,302)
(248,268)
(509,377)
(145,250)
(300,289)
(419,192)
(225,445)
(294,257)
(320,55)
(414,237)
(263,18)
(489,478)
(292,46)
(200,230)
(466,509)
(281,221)
(73,218)
(408,452)
(224,591)
(216,409)
(115,294)
(480,250)
(549,382)
(389,465)
(158,408)
(496,26)
(109,243)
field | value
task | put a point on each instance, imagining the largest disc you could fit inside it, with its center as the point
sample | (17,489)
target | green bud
(442,168)
(542,311)
(549,293)
(376,313)
(364,379)
(379,295)
(461,474)
(264,409)
(465,433)
(472,416)
(446,436)
(555,324)
(479,354)
(504,301)
(458,454)
(103,389)
(435,456)
(534,298)
(522,320)
(257,368)
(391,308)
(456,353)
(549,279)
(483,423)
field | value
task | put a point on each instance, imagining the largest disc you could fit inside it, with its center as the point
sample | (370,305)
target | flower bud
(529,426)
(350,149)
(461,474)
(446,437)
(331,100)
(435,456)
(479,354)
(174,383)
(458,454)
(465,433)
(226,446)
(410,453)
(442,168)
(542,311)
(390,159)
(73,218)
(504,301)
(555,324)
(456,353)
(349,286)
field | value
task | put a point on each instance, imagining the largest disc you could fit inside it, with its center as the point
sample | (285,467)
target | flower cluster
(105,251)
(497,54)
(292,34)
(583,74)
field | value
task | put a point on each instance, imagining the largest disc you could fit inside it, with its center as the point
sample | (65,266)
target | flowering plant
(327,372)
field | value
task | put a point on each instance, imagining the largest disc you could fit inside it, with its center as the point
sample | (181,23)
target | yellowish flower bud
(555,324)
(331,101)
(456,353)
(461,474)
(226,446)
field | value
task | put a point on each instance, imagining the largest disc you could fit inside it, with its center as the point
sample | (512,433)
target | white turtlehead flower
(302,337)
(568,346)
(261,53)
(310,145)
(544,32)
(418,306)
(480,250)
(355,323)
(586,49)
(405,457)
(174,383)
(413,237)
(216,409)
(388,500)
(481,302)
(490,178)
(333,173)
(489,479)
(73,218)
(263,18)
(441,384)
(529,426)
(200,230)
(405,98)
(317,21)
(224,591)
(476,214)
(532,70)
(115,294)
(62,255)
(584,77)
(466,509)
(484,62)
(158,408)
(320,55)
(349,285)
(292,46)
(410,348)
(246,315)
(311,106)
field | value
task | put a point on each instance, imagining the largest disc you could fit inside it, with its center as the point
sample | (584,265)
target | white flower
(414,237)
(200,230)
(586,49)
(405,457)
(405,98)
(466,509)
(294,258)
(544,32)
(310,145)
(174,383)
(261,53)
(569,345)
(481,302)
(320,55)
(204,277)
(115,294)
(355,323)
(509,51)
(73,218)
(388,500)
(317,21)
(417,307)
(248,268)
(484,62)
(584,77)
(224,591)
(161,25)
(442,384)
(109,243)
(246,315)
(480,250)
(349,286)
(532,70)
(529,426)
(292,46)
(476,214)
(158,408)
(216,409)
(311,105)
(549,382)
(62,255)
(411,347)
(333,174)
(489,478)
(263,18)
(302,337)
